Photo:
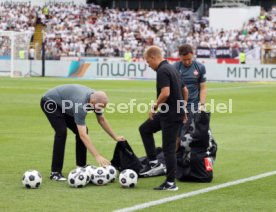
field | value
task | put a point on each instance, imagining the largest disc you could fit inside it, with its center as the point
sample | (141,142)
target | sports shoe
(153,170)
(167,186)
(57,176)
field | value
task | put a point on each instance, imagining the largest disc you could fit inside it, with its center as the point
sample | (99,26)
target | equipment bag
(124,158)
(197,151)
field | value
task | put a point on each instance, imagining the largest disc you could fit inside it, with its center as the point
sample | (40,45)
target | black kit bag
(124,158)
(159,155)
(198,149)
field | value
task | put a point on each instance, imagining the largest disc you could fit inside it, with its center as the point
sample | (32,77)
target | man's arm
(185,93)
(89,145)
(163,96)
(203,93)
(202,96)
(202,86)
(105,125)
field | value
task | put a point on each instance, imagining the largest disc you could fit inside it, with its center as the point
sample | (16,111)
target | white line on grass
(194,193)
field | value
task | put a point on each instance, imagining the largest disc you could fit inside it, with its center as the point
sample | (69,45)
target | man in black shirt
(171,113)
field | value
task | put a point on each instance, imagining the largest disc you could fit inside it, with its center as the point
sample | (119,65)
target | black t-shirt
(168,76)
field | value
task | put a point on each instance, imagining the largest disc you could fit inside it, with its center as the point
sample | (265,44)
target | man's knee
(62,132)
(142,129)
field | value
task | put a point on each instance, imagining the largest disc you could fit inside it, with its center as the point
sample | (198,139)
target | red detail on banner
(228,60)
(208,164)
(173,59)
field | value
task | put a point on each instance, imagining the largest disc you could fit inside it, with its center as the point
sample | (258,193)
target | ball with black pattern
(31,179)
(77,178)
(100,176)
(112,172)
(128,178)
(89,170)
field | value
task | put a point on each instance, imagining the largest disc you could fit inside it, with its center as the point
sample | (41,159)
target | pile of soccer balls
(80,177)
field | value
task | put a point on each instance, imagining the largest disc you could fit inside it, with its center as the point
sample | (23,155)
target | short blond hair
(153,51)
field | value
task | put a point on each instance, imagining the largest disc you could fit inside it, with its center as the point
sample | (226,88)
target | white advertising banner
(111,70)
(140,71)
(224,72)
(215,72)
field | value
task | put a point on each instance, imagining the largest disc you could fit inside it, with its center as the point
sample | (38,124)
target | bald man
(170,106)
(66,106)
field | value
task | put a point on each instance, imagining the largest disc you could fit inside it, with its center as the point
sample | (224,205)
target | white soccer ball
(128,178)
(185,142)
(31,179)
(112,172)
(89,170)
(100,176)
(77,178)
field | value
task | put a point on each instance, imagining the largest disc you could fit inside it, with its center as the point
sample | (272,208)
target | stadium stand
(89,30)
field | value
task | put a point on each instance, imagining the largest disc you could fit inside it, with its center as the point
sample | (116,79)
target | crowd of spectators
(15,17)
(89,30)
(255,33)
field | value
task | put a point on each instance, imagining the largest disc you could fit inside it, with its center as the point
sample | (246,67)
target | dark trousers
(60,122)
(169,133)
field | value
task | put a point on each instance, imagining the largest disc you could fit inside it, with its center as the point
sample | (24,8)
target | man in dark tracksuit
(66,106)
(170,102)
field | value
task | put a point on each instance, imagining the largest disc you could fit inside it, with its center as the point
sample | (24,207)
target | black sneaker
(57,176)
(153,170)
(167,186)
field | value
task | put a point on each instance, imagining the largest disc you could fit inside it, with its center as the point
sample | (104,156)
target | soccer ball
(31,179)
(112,172)
(89,171)
(128,178)
(100,176)
(185,142)
(77,178)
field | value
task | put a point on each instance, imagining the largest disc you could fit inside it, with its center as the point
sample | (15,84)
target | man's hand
(202,107)
(153,111)
(185,119)
(151,114)
(120,138)
(102,161)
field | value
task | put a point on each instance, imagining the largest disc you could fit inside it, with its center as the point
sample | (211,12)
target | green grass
(246,146)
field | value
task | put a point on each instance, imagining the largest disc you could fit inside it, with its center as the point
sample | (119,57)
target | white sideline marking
(194,193)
